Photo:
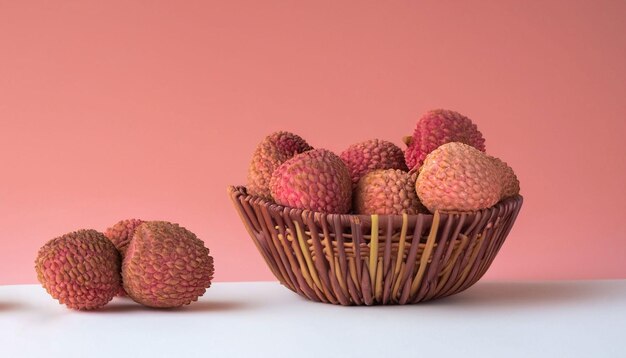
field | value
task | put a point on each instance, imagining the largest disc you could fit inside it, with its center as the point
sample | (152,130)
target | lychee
(166,265)
(387,192)
(81,269)
(273,151)
(510,183)
(316,180)
(438,127)
(363,157)
(458,177)
(120,235)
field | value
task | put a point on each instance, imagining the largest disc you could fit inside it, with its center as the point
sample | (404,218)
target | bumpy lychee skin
(273,151)
(316,180)
(166,265)
(510,183)
(438,127)
(387,192)
(80,269)
(458,177)
(120,235)
(363,157)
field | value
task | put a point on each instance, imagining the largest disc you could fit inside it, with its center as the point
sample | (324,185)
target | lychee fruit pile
(155,263)
(444,167)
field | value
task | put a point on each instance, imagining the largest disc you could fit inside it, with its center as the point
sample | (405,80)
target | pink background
(118,109)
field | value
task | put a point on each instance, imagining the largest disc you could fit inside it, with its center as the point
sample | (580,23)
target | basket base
(375,260)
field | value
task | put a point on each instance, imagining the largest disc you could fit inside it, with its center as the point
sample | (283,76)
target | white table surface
(264,319)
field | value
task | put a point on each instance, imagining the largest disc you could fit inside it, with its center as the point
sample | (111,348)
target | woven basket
(377,259)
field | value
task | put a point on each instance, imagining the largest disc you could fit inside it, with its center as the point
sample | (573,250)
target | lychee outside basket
(377,259)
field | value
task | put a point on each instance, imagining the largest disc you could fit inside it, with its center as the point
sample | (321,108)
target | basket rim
(241,191)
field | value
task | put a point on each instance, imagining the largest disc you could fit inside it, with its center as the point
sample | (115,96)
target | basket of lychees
(377,224)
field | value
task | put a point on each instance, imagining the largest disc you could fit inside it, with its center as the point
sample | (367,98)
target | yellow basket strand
(430,243)
(307,256)
(373,250)
(405,224)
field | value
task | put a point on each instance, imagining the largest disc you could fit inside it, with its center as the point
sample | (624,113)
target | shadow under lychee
(213,306)
(126,305)
(9,306)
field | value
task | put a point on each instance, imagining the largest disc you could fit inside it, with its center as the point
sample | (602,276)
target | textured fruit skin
(273,151)
(120,235)
(510,183)
(316,180)
(166,265)
(363,157)
(387,192)
(438,127)
(458,177)
(80,269)
(122,232)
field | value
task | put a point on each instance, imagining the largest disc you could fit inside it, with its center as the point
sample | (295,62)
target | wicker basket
(369,260)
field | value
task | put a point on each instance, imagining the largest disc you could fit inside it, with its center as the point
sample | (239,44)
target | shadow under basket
(375,259)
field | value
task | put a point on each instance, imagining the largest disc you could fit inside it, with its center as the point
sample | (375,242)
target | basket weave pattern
(377,259)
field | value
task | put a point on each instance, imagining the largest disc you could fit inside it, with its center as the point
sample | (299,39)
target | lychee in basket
(375,259)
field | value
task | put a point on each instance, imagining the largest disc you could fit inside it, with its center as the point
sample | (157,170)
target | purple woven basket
(375,259)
